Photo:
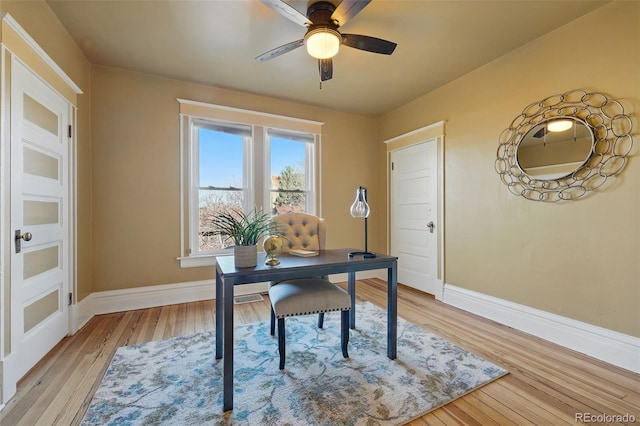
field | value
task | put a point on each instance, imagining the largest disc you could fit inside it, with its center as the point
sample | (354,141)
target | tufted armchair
(301,231)
(306,295)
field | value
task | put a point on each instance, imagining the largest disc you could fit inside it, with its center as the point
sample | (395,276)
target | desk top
(325,263)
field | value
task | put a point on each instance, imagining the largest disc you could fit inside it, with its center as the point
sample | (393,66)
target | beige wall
(135,131)
(579,259)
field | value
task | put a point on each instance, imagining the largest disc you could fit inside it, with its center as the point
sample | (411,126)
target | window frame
(193,209)
(256,165)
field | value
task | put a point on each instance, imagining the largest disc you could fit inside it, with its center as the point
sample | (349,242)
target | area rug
(179,381)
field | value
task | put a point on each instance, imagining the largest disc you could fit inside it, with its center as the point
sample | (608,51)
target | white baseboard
(106,302)
(151,296)
(80,313)
(610,346)
(363,275)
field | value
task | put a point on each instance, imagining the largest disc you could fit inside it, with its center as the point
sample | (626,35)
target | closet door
(414,212)
(40,212)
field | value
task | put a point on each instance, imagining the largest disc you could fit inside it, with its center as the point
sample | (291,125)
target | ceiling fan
(322,38)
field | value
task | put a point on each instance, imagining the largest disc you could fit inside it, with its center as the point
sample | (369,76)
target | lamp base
(365,254)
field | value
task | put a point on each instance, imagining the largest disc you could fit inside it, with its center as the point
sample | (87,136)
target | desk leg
(392,311)
(351,286)
(219,316)
(227,388)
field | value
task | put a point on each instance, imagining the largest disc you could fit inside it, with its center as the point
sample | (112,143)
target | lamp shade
(322,43)
(360,208)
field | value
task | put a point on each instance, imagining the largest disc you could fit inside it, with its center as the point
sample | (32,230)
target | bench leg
(344,332)
(281,342)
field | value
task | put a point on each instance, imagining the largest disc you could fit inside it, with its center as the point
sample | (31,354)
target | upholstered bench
(308,296)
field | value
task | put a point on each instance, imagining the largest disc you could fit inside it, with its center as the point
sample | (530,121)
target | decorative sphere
(273,245)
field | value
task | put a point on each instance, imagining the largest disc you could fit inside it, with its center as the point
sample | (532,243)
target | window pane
(220,158)
(287,165)
(212,202)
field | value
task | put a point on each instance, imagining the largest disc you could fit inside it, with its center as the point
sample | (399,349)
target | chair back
(302,231)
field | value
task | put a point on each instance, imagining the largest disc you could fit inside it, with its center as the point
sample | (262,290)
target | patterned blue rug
(179,381)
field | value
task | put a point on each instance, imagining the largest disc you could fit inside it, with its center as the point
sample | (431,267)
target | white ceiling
(214,42)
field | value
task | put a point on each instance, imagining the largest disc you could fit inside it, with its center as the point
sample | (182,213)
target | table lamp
(360,208)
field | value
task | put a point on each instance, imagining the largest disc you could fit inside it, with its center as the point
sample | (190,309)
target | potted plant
(245,230)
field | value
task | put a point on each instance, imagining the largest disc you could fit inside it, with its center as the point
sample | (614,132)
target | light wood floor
(547,384)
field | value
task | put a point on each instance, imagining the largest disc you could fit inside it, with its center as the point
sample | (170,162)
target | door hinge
(392,165)
(70,299)
(70,131)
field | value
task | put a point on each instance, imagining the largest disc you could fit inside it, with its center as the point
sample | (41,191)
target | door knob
(431,225)
(19,237)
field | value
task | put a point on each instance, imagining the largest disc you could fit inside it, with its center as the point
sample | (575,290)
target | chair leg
(281,342)
(320,319)
(344,334)
(273,322)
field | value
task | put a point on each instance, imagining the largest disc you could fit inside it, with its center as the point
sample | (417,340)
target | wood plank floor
(547,384)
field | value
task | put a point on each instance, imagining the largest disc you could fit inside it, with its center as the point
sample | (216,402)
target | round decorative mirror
(564,146)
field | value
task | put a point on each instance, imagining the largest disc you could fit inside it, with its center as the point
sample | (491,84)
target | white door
(414,213)
(41,246)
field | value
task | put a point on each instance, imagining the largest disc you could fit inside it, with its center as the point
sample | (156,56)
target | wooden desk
(326,263)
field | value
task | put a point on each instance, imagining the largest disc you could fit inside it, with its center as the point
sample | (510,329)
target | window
(219,156)
(291,172)
(242,160)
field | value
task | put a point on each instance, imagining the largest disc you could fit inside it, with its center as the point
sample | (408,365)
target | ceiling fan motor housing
(320,13)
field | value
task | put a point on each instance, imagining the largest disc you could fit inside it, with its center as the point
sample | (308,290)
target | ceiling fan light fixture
(559,125)
(323,43)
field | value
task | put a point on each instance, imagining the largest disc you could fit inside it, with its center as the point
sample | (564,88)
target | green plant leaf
(245,229)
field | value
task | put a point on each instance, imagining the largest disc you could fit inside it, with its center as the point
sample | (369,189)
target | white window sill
(197,261)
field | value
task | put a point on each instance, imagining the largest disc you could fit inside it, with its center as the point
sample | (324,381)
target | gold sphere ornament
(273,247)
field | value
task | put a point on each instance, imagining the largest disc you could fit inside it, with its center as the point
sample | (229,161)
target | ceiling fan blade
(347,10)
(370,44)
(287,11)
(280,50)
(325,66)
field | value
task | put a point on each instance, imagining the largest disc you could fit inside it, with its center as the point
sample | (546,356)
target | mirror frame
(611,144)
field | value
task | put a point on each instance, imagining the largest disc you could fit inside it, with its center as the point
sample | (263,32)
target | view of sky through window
(221,157)
(286,153)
